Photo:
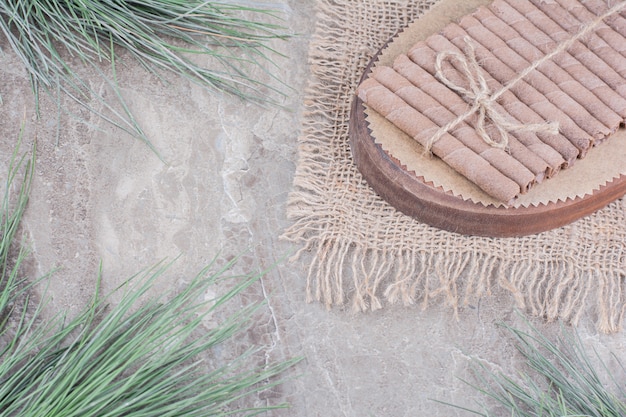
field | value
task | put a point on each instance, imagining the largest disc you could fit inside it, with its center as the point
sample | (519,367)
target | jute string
(483,100)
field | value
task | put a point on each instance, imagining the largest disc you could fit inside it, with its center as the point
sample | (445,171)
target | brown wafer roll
(598,7)
(526,147)
(606,92)
(595,43)
(615,40)
(538,78)
(526,92)
(458,156)
(530,33)
(587,57)
(424,56)
(550,69)
(465,133)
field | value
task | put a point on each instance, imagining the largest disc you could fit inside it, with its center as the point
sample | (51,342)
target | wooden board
(416,198)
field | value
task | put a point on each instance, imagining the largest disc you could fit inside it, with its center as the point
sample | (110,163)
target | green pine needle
(562,381)
(134,358)
(162,35)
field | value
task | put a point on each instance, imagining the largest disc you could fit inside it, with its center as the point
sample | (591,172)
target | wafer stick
(577,10)
(505,64)
(587,57)
(424,56)
(526,147)
(530,33)
(596,44)
(515,63)
(604,85)
(524,91)
(585,97)
(458,156)
(465,133)
(598,7)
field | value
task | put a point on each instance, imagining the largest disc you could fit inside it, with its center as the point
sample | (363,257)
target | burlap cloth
(366,254)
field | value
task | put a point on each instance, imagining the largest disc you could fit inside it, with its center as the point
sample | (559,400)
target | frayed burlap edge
(365,254)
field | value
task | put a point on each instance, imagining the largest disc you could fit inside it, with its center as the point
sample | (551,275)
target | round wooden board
(412,196)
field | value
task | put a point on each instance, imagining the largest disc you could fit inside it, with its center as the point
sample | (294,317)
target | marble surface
(100,196)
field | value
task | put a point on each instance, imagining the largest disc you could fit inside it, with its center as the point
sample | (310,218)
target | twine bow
(482,99)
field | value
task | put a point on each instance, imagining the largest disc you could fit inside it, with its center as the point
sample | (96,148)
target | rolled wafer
(458,156)
(538,78)
(530,33)
(523,90)
(598,7)
(596,44)
(424,56)
(614,39)
(506,64)
(587,57)
(465,133)
(579,92)
(526,147)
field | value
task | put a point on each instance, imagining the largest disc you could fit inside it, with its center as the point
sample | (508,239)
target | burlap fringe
(365,254)
(342,273)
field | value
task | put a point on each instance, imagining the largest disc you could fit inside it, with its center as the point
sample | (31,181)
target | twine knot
(482,99)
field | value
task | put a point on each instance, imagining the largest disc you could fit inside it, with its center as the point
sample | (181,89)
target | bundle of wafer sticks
(512,93)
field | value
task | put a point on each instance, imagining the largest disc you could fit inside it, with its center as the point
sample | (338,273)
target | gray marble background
(102,196)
